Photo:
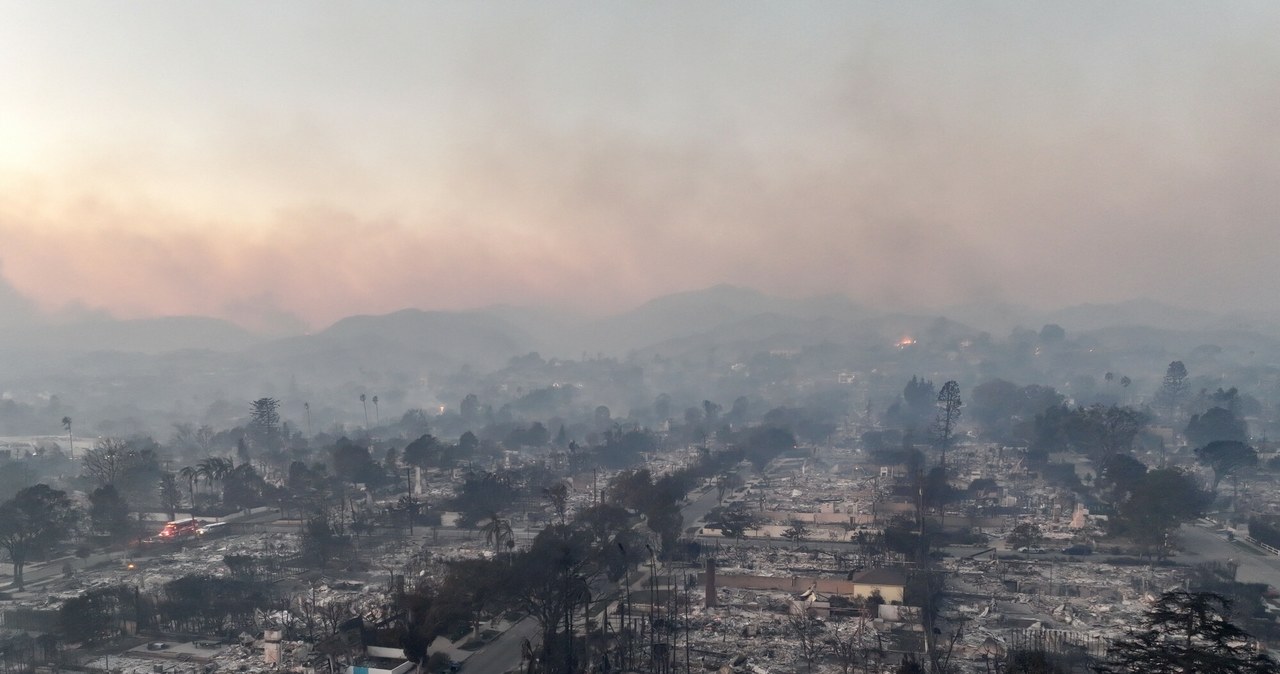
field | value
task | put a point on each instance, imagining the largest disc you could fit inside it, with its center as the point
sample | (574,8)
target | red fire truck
(181,528)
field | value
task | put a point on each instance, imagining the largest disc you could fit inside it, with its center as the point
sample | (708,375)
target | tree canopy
(35,519)
(1216,424)
(1186,632)
(1160,502)
(1226,457)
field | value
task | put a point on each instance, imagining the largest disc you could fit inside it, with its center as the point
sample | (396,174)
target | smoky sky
(264,161)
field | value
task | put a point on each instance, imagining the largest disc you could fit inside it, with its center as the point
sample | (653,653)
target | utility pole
(625,618)
(688,599)
(653,600)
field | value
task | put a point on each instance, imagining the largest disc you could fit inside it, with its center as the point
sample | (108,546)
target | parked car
(1077,550)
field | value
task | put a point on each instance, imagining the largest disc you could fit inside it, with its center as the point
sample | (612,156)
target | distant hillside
(999,318)
(182,368)
(771,331)
(689,314)
(1134,312)
(1193,346)
(411,337)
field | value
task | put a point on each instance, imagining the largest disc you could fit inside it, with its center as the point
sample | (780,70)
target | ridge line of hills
(681,319)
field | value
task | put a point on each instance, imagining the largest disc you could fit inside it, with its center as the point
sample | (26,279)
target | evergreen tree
(1187,633)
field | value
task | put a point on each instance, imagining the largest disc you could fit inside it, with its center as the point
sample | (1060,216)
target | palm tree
(192,475)
(366,410)
(215,469)
(377,416)
(66,423)
(497,530)
(222,467)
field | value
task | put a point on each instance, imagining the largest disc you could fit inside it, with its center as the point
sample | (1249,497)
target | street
(1203,545)
(503,653)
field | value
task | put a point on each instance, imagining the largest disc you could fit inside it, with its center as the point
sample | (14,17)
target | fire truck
(181,528)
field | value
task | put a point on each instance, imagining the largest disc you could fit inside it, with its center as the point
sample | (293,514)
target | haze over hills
(178,368)
(440,339)
(488,336)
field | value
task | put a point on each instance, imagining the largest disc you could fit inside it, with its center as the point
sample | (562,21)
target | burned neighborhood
(639,338)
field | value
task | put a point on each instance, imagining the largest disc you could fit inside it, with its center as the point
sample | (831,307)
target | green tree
(765,444)
(1024,535)
(796,532)
(1226,457)
(733,521)
(99,614)
(109,513)
(948,416)
(1004,411)
(483,493)
(552,581)
(213,470)
(1161,502)
(1119,474)
(470,409)
(1186,633)
(468,443)
(917,408)
(1215,424)
(32,521)
(424,452)
(937,491)
(1101,431)
(264,423)
(322,542)
(354,463)
(1173,389)
(244,488)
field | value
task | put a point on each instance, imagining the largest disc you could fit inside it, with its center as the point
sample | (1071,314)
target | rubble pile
(1082,604)
(774,631)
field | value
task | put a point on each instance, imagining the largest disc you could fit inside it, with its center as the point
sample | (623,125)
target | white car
(211,527)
